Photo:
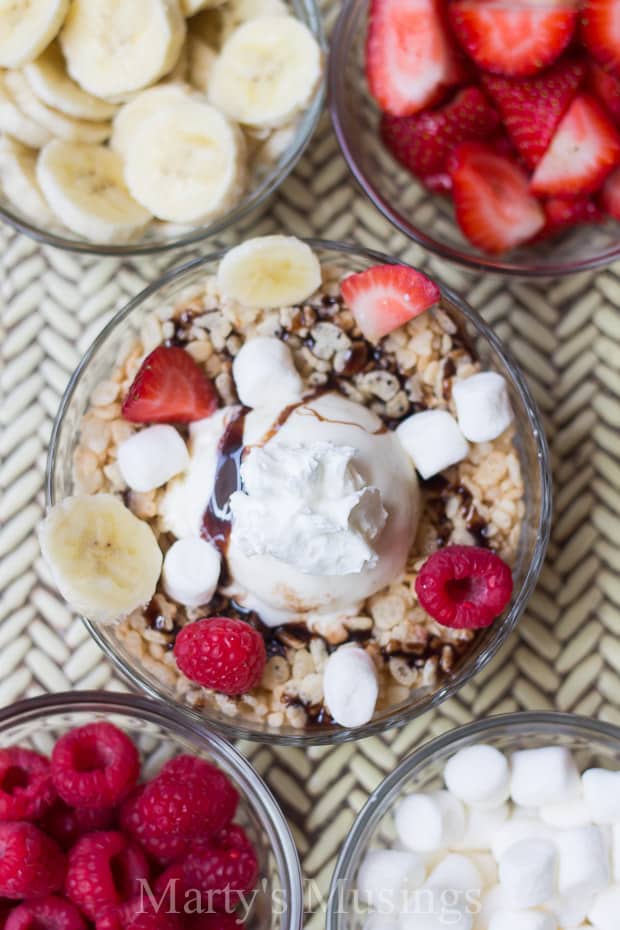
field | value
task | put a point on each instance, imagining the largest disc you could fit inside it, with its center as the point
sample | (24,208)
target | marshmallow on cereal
(151,457)
(433,441)
(543,776)
(385,874)
(479,776)
(350,686)
(527,872)
(601,790)
(265,375)
(482,406)
(191,571)
(428,822)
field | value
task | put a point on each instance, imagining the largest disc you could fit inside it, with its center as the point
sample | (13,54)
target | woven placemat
(566,335)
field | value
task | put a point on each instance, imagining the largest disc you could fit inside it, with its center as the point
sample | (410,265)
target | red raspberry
(222,869)
(51,913)
(138,914)
(164,848)
(104,870)
(26,789)
(31,864)
(464,587)
(67,824)
(96,765)
(189,798)
(220,653)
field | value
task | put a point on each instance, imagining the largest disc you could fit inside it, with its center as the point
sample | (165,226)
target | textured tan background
(566,335)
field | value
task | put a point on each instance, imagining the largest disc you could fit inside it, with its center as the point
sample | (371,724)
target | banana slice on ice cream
(104,560)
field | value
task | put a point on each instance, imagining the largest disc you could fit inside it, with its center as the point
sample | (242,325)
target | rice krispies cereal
(477,502)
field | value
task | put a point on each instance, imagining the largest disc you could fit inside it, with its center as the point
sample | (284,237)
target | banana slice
(275,145)
(17,124)
(50,82)
(267,71)
(190,7)
(18,173)
(201,58)
(114,47)
(186,163)
(104,560)
(145,104)
(27,27)
(268,272)
(237,12)
(84,186)
(64,127)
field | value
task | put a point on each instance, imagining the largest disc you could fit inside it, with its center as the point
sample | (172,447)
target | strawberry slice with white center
(493,204)
(600,31)
(384,297)
(584,149)
(517,38)
(532,108)
(409,58)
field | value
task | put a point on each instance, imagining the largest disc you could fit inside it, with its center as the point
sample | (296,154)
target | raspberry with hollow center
(221,653)
(96,765)
(464,587)
(26,789)
(104,870)
(67,824)
(49,913)
(31,864)
(137,914)
(222,869)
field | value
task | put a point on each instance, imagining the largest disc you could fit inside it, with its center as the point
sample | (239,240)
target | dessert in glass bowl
(118,137)
(505,824)
(261,475)
(118,814)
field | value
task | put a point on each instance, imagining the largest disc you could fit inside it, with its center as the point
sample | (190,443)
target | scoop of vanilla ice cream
(327,514)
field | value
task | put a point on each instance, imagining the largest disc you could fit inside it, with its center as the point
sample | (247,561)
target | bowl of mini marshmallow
(509,823)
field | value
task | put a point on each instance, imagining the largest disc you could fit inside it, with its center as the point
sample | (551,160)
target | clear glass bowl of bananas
(119,138)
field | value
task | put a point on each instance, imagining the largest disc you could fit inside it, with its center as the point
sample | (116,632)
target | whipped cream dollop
(308,506)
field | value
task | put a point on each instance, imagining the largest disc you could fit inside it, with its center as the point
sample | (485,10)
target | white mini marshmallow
(482,826)
(527,872)
(436,909)
(601,790)
(515,830)
(604,912)
(478,775)
(191,571)
(493,900)
(482,406)
(265,373)
(583,861)
(350,686)
(151,457)
(380,922)
(566,814)
(385,873)
(433,441)
(544,776)
(522,920)
(457,872)
(427,822)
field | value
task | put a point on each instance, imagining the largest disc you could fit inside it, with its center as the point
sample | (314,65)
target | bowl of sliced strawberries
(488,131)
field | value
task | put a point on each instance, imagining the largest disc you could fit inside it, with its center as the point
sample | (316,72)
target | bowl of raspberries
(115,814)
(488,131)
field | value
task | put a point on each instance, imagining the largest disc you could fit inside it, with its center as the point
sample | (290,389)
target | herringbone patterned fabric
(566,336)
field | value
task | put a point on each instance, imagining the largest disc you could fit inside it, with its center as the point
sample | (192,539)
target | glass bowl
(530,444)
(594,744)
(161,237)
(160,733)
(425,217)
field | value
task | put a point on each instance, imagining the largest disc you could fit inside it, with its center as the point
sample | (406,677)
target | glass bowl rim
(375,806)
(337,105)
(168,717)
(251,201)
(238,729)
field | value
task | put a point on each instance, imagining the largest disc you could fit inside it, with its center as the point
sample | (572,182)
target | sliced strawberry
(409,58)
(531,109)
(422,143)
(385,297)
(584,149)
(610,195)
(606,87)
(493,205)
(563,214)
(600,31)
(516,38)
(170,387)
